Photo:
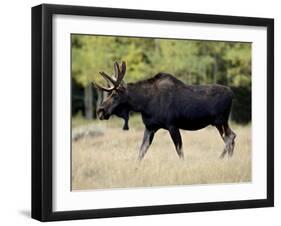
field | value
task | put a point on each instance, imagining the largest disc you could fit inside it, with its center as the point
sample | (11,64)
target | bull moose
(165,102)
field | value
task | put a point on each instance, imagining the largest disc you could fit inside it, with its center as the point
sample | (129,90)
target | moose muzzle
(102,115)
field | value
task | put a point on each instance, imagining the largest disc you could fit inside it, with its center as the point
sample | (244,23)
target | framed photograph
(145,112)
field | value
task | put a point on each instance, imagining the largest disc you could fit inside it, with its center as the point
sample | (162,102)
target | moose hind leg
(176,137)
(229,140)
(222,133)
(147,139)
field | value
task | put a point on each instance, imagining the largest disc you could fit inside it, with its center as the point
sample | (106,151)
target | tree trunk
(99,97)
(88,101)
(215,70)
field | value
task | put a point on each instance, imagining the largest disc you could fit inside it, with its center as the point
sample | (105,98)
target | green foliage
(190,60)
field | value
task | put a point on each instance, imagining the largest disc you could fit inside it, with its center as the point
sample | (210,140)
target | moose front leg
(147,139)
(176,137)
(126,125)
(126,122)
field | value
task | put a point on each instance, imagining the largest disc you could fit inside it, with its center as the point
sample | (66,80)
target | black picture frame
(42,107)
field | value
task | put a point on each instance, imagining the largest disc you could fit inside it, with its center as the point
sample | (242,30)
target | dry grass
(110,160)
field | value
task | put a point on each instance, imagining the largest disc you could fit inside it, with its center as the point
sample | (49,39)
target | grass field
(109,158)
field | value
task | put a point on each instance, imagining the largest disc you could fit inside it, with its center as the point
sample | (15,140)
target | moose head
(116,89)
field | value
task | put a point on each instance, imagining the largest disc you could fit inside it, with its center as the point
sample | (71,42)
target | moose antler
(116,70)
(122,73)
(108,78)
(103,88)
(119,75)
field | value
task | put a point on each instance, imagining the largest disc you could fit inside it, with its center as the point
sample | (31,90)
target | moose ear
(123,68)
